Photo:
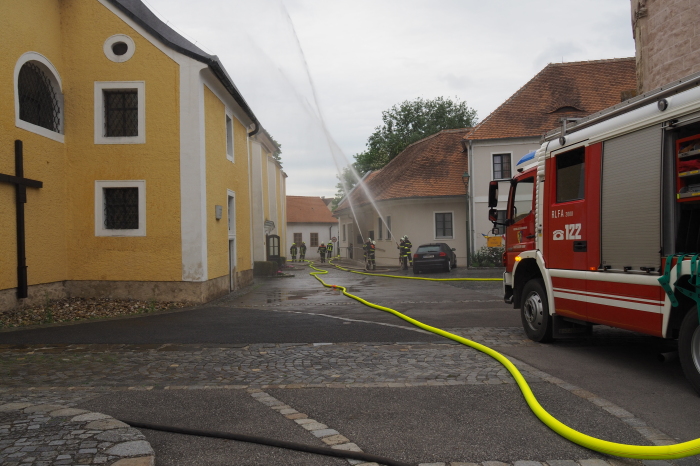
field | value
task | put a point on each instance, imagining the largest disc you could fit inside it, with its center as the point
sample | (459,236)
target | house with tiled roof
(560,91)
(309,219)
(420,193)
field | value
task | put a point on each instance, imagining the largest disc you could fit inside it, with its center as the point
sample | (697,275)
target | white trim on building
(55,79)
(108,48)
(99,112)
(100,186)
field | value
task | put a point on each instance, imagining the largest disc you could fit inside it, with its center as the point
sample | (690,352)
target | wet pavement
(296,361)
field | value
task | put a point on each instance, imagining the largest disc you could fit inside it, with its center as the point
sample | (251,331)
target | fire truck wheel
(534,312)
(689,348)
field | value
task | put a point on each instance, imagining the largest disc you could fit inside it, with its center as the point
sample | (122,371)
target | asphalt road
(465,422)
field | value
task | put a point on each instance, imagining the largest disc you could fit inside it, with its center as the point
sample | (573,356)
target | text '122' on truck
(603,224)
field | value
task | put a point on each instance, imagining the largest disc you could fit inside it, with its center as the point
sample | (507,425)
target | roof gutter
(218,70)
(213,63)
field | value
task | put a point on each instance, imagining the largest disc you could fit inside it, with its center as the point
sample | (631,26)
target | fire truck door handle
(530,236)
(580,246)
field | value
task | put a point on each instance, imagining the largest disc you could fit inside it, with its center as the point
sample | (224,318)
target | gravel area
(73,309)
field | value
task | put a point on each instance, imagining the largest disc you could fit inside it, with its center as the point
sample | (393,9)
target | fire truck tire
(689,348)
(534,312)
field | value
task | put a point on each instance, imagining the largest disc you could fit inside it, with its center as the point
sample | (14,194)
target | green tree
(347,180)
(408,122)
(277,154)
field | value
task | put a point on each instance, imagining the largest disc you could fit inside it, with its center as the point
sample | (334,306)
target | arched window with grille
(38,96)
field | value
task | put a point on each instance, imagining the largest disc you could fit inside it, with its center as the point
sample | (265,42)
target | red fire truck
(603,224)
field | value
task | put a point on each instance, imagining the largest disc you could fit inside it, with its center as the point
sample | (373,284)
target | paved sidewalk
(53,434)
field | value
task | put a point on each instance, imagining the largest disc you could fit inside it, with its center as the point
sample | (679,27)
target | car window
(431,248)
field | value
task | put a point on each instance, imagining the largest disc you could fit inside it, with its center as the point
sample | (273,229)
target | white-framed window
(388,227)
(229,137)
(501,164)
(120,112)
(444,226)
(379,228)
(120,208)
(231,216)
(345,237)
(38,96)
(119,48)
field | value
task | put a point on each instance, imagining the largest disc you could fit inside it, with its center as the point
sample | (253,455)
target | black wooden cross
(21,183)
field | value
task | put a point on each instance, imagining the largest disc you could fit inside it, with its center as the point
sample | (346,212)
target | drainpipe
(465,180)
(470,163)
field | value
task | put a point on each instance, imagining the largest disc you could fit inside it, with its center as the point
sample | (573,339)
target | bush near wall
(487,257)
(265,268)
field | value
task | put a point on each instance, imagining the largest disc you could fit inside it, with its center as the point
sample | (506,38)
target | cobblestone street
(342,392)
(256,365)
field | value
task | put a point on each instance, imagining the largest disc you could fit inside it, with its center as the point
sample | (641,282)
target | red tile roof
(308,209)
(574,89)
(430,167)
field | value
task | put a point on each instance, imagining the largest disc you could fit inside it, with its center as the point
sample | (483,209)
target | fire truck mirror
(493,215)
(493,194)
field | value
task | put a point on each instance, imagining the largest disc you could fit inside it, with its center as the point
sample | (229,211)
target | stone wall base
(195,292)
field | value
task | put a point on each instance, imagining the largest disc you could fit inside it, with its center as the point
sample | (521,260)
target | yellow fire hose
(662,452)
(414,278)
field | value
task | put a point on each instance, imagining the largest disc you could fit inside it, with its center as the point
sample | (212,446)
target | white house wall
(283,212)
(272,172)
(325,232)
(412,217)
(481,171)
(257,200)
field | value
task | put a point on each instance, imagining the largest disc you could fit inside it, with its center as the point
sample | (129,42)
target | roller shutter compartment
(631,200)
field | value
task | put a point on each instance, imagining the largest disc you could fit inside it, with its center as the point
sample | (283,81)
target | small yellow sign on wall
(494,241)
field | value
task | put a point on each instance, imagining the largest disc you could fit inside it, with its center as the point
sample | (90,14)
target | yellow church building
(141,161)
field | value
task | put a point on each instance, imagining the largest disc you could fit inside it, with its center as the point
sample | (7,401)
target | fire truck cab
(603,224)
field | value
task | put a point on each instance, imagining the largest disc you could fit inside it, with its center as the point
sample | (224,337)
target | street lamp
(465,180)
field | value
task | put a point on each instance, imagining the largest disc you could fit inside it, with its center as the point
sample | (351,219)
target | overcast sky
(365,56)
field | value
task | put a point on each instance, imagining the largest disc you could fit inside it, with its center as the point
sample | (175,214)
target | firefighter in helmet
(329,250)
(322,252)
(369,248)
(293,252)
(405,250)
(302,251)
